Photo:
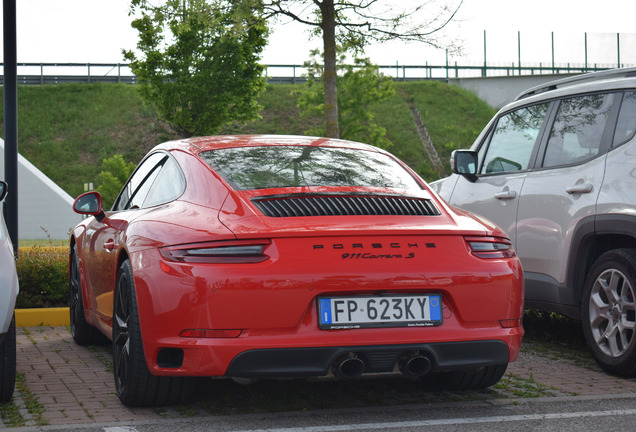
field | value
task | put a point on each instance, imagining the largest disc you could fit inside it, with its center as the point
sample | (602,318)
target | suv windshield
(292,166)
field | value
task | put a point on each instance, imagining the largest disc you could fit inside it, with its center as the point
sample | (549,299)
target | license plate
(380,311)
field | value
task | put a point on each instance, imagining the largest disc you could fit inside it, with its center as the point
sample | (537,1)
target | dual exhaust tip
(352,365)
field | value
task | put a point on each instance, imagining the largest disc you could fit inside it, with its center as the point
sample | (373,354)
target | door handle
(579,188)
(506,195)
(109,245)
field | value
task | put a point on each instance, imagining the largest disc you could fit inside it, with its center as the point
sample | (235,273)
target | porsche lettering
(338,246)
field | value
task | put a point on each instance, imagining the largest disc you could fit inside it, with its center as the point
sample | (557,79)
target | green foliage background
(43,276)
(360,86)
(200,63)
(112,178)
(68,130)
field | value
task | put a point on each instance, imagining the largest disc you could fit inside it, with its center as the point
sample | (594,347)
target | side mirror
(3,190)
(89,203)
(464,163)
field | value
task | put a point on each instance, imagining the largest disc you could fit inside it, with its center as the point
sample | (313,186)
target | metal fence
(485,55)
(585,49)
(59,73)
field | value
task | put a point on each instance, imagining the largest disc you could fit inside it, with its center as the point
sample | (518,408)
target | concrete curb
(42,317)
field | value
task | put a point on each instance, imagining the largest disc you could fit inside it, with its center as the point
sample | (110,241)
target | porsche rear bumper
(307,362)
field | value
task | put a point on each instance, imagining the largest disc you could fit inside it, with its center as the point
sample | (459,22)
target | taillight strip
(251,251)
(490,247)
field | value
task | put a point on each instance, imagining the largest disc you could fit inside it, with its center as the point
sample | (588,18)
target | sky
(96,31)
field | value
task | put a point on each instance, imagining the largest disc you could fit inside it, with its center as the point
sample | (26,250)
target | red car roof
(200,144)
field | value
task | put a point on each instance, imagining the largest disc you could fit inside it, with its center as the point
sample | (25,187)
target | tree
(112,178)
(355,23)
(198,65)
(360,85)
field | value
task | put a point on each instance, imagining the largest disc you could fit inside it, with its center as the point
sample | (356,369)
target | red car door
(104,239)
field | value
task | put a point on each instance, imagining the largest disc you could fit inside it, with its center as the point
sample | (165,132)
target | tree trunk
(328,26)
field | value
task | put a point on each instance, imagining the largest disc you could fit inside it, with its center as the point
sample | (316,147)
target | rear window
(248,168)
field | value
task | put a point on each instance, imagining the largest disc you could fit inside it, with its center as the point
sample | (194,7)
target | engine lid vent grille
(344,206)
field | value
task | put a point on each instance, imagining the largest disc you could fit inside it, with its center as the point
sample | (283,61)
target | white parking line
(120,429)
(452,421)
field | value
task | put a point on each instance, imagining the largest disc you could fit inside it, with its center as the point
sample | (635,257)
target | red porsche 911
(284,256)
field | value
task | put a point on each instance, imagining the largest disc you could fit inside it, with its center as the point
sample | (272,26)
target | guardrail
(58,73)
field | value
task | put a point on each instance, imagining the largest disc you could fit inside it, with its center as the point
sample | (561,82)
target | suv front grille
(344,206)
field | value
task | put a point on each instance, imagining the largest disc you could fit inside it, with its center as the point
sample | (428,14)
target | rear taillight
(490,247)
(218,252)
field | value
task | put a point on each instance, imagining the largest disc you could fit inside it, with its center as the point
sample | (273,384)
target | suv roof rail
(578,79)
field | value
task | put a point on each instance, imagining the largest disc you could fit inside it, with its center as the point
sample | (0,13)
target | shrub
(112,178)
(43,277)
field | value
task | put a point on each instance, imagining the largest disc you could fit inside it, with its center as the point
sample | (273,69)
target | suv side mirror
(89,203)
(3,190)
(464,163)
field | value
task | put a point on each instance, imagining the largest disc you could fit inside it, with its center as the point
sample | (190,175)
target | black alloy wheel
(134,384)
(82,332)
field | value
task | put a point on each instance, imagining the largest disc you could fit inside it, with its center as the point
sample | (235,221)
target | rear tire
(83,333)
(609,311)
(134,384)
(464,380)
(7,364)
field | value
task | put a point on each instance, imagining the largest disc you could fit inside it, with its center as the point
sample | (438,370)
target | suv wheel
(609,311)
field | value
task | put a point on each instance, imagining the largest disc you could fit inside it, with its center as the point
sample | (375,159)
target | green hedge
(43,277)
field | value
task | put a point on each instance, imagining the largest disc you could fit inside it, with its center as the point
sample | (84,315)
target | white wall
(498,91)
(41,203)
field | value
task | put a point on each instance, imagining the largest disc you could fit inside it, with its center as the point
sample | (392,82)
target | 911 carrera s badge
(377,256)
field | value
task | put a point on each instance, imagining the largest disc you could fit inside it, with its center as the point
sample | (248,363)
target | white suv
(8,293)
(556,169)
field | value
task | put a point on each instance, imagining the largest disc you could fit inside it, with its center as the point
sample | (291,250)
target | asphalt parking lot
(62,383)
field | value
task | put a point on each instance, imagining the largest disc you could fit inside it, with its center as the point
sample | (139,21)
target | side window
(513,140)
(578,128)
(168,185)
(129,196)
(138,198)
(626,125)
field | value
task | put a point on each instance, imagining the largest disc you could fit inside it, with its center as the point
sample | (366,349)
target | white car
(556,169)
(8,293)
